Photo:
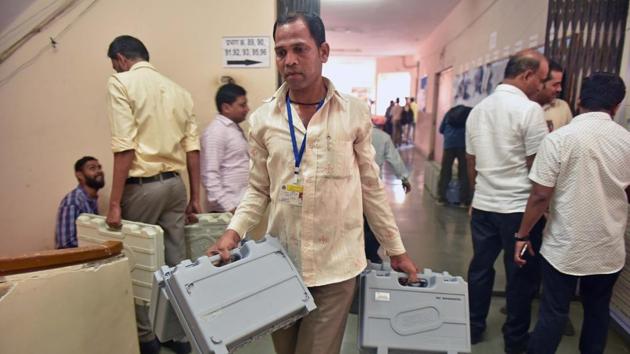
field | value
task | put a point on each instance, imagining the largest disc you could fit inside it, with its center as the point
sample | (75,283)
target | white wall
(462,41)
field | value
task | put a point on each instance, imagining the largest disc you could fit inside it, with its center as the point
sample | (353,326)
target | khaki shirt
(558,112)
(153,116)
(323,237)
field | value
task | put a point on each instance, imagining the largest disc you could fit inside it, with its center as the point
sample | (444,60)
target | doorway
(443,102)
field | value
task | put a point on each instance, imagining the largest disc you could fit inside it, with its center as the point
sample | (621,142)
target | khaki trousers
(321,331)
(160,203)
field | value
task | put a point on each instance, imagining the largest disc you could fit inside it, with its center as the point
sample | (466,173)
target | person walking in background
(389,125)
(385,152)
(453,128)
(411,131)
(405,121)
(397,111)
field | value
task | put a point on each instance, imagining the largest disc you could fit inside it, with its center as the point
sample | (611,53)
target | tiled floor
(439,238)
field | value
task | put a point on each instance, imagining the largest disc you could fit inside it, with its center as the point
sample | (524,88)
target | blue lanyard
(297,154)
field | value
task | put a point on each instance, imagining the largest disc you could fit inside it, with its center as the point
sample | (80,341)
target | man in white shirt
(557,111)
(502,136)
(224,155)
(582,173)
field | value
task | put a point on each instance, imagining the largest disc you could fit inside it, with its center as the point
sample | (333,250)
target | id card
(292,194)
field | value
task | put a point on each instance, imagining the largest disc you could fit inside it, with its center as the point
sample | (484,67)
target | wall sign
(246,52)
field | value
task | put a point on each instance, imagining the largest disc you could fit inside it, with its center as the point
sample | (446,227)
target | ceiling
(10,10)
(376,28)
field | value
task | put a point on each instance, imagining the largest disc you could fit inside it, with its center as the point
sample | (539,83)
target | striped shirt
(224,164)
(72,205)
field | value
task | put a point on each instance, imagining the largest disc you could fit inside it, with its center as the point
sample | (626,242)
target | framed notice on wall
(246,52)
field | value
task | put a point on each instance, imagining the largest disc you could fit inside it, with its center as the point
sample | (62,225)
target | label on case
(381,296)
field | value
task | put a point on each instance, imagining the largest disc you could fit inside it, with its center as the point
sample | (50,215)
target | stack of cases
(143,244)
(200,236)
(222,308)
(431,317)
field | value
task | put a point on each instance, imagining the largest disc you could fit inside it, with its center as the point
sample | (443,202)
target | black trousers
(446,174)
(558,290)
(371,244)
(491,234)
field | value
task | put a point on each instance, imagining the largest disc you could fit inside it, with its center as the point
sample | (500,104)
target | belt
(162,176)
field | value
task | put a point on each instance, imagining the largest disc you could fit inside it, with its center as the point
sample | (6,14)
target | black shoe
(476,338)
(178,347)
(517,349)
(150,347)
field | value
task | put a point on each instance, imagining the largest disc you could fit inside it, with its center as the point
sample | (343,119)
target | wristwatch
(521,238)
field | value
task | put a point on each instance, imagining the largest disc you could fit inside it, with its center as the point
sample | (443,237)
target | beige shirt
(153,116)
(558,112)
(323,237)
(588,164)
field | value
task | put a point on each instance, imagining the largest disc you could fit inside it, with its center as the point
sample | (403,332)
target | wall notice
(246,52)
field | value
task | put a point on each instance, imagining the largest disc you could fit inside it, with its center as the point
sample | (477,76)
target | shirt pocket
(336,159)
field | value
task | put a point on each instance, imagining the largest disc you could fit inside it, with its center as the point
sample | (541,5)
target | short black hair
(602,91)
(130,47)
(554,66)
(78,166)
(312,21)
(228,93)
(457,116)
(520,63)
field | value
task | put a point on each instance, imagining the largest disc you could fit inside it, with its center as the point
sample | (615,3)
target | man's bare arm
(529,161)
(122,165)
(192,165)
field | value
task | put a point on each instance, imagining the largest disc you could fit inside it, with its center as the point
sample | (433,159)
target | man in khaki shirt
(336,181)
(154,137)
(557,111)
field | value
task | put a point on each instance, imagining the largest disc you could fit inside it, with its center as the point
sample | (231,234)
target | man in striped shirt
(224,155)
(82,199)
